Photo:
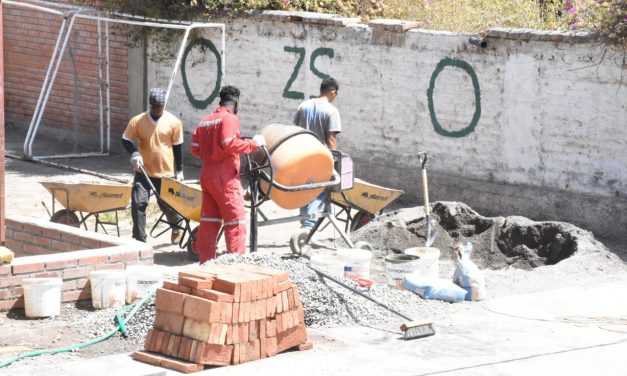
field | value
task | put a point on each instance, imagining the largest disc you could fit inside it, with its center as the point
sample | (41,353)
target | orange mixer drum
(298,158)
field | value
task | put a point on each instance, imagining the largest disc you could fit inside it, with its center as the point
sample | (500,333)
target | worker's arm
(231,141)
(178,156)
(128,145)
(331,140)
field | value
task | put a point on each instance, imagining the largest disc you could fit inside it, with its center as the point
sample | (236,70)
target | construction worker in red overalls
(217,141)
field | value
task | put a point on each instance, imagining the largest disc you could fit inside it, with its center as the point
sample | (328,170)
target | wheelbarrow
(87,199)
(366,200)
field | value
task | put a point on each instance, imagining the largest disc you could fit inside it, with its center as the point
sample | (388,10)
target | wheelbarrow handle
(141,167)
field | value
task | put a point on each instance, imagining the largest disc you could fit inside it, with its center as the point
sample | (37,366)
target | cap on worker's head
(157,97)
(229,94)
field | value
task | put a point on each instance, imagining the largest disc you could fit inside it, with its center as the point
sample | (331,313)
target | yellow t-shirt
(154,141)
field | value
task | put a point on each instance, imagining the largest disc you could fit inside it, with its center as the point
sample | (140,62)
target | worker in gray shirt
(322,118)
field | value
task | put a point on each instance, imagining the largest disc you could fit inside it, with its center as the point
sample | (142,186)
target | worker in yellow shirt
(155,140)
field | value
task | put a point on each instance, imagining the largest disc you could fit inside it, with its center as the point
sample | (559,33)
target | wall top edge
(402,26)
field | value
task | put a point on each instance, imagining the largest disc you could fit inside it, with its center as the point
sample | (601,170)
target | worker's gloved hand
(179,176)
(136,160)
(260,140)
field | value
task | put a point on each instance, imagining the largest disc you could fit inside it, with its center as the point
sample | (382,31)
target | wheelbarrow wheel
(360,219)
(191,250)
(298,243)
(65,217)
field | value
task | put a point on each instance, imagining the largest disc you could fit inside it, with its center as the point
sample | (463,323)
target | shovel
(431,230)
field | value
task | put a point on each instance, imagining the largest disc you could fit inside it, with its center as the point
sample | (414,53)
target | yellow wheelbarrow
(91,198)
(366,199)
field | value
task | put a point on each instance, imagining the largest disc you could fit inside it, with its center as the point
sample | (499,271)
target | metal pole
(108,65)
(101,112)
(2,211)
(176,65)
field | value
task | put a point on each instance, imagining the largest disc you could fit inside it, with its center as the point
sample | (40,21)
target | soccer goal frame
(104,19)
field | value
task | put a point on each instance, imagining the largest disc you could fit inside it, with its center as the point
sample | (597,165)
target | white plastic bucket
(429,260)
(140,280)
(397,266)
(329,263)
(356,262)
(42,296)
(108,288)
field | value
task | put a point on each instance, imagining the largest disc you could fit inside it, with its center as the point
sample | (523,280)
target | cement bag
(433,288)
(467,274)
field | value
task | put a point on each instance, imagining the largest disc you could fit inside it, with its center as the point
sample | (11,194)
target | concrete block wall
(73,109)
(58,258)
(533,124)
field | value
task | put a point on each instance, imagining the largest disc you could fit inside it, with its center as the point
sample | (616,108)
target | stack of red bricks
(225,314)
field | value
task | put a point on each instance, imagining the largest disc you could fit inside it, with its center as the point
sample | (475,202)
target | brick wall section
(97,252)
(29,39)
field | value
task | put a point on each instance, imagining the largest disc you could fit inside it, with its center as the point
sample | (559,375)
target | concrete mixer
(292,170)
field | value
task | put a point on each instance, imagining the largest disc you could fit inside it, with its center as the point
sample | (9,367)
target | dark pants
(139,203)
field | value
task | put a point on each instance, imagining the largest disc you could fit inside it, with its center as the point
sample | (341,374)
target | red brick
(130,255)
(192,351)
(229,285)
(23,237)
(88,243)
(31,229)
(270,328)
(271,306)
(243,350)
(279,323)
(63,264)
(32,249)
(180,366)
(290,298)
(47,275)
(197,274)
(301,313)
(305,346)
(11,281)
(6,305)
(28,268)
(279,303)
(263,352)
(72,296)
(202,309)
(216,355)
(146,253)
(181,353)
(235,357)
(149,338)
(229,335)
(71,238)
(50,233)
(5,269)
(214,334)
(198,330)
(83,283)
(282,287)
(11,293)
(170,301)
(243,332)
(235,312)
(253,330)
(235,333)
(59,245)
(76,273)
(170,349)
(169,322)
(69,285)
(176,287)
(297,301)
(93,260)
(214,295)
(14,245)
(292,337)
(195,283)
(164,344)
(118,266)
(253,350)
(228,316)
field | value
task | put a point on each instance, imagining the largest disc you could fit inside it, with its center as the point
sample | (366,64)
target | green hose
(121,327)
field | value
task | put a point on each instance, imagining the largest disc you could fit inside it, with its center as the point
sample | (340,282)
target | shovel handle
(422,156)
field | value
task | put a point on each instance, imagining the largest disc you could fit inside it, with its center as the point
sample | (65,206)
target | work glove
(136,160)
(179,176)
(261,141)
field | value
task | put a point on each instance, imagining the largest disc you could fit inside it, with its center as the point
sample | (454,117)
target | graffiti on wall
(203,45)
(456,63)
(300,51)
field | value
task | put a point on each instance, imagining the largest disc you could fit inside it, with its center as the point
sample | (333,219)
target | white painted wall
(552,128)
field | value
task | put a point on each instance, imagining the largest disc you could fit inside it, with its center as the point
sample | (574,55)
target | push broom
(411,329)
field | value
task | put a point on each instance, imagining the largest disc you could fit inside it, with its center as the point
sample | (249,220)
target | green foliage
(609,17)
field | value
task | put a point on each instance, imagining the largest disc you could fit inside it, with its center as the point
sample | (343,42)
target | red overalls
(217,141)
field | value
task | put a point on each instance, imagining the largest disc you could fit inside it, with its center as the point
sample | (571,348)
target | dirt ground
(513,274)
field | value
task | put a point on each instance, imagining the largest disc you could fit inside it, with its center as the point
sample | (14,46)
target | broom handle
(358,292)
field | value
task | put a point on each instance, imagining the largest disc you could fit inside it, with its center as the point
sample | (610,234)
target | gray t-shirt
(318,116)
